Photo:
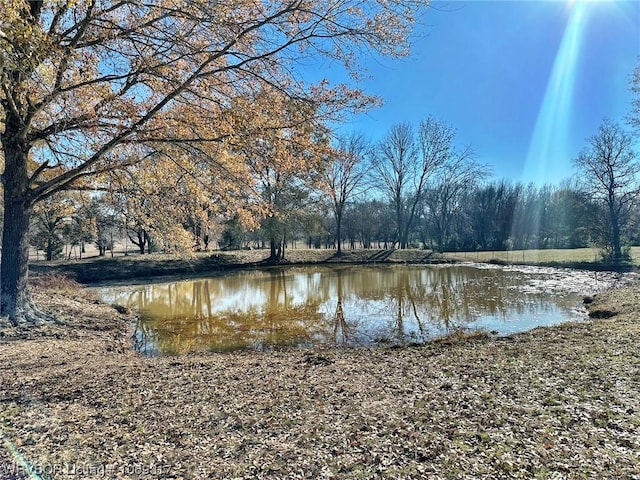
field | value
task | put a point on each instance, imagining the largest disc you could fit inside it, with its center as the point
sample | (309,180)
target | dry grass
(460,336)
(575,255)
(531,256)
(54,281)
(557,402)
(58,283)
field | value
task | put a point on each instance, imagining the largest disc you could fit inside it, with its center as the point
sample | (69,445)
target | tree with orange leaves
(284,145)
(82,82)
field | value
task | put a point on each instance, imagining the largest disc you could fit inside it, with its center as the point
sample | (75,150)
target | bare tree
(345,176)
(634,117)
(405,165)
(609,170)
(394,164)
(459,175)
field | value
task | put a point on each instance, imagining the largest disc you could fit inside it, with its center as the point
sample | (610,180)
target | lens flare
(549,142)
(22,465)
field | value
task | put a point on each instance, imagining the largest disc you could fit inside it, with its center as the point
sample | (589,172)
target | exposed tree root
(36,316)
(27,315)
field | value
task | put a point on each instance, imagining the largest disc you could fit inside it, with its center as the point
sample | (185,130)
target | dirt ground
(559,402)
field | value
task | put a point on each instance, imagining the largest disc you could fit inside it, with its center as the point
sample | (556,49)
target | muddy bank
(140,267)
(135,268)
(559,402)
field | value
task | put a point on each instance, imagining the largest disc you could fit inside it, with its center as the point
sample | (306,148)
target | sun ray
(549,142)
(22,465)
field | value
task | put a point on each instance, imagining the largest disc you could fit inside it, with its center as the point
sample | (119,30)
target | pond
(349,305)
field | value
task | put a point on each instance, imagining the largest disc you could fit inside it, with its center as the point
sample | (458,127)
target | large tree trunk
(616,243)
(142,240)
(14,295)
(399,224)
(15,302)
(49,249)
(273,255)
(339,230)
(614,225)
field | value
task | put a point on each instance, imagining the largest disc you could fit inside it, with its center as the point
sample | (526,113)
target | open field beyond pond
(126,268)
(560,402)
(575,255)
(589,254)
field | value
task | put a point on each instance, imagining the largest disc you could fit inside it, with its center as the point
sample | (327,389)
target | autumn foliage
(93,87)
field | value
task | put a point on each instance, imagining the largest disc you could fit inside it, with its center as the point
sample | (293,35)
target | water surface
(348,305)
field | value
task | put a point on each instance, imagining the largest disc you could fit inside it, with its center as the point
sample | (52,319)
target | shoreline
(156,267)
(553,402)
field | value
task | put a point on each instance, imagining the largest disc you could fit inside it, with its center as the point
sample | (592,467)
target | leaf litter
(557,402)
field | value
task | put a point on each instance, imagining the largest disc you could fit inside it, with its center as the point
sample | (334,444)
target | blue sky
(524,82)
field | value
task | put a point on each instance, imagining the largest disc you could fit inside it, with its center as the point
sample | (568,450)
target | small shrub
(55,281)
(607,255)
(497,261)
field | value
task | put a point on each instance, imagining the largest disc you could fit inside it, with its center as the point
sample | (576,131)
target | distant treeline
(414,189)
(498,215)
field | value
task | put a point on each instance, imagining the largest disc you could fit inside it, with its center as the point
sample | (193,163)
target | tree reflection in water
(340,326)
(343,305)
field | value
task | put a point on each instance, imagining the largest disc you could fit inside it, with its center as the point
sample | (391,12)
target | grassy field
(536,256)
(358,255)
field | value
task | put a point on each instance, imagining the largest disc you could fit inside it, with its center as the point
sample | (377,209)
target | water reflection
(344,305)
